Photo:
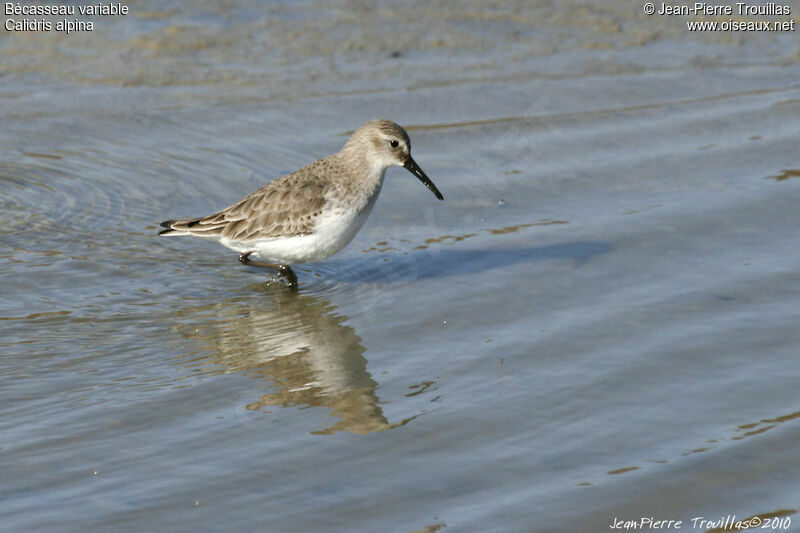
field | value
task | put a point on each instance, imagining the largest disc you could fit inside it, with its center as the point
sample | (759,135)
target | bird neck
(367,171)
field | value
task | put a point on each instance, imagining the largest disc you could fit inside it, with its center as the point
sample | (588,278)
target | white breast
(338,225)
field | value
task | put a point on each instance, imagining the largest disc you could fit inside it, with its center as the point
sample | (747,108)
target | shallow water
(599,322)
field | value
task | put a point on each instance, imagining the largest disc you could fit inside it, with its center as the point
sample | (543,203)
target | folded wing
(282,208)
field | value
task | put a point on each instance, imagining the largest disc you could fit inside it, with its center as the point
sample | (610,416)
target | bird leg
(284,270)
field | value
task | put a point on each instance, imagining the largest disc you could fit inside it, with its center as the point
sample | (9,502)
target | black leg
(284,270)
(290,276)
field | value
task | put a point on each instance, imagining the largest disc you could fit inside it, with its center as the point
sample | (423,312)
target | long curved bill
(413,167)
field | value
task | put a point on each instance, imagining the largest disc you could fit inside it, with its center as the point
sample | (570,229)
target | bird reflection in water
(299,344)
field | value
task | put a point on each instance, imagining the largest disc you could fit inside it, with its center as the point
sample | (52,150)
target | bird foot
(291,278)
(284,270)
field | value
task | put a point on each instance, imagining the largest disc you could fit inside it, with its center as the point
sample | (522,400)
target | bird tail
(177,227)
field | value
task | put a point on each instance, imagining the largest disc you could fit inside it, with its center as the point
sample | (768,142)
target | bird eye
(394,143)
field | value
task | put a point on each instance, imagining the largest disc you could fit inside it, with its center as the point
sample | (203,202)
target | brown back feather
(286,207)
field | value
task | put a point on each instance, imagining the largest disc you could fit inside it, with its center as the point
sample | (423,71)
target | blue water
(599,323)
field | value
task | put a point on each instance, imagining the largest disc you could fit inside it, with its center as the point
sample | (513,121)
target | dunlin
(313,212)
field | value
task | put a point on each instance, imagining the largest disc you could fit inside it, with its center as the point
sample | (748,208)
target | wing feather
(286,207)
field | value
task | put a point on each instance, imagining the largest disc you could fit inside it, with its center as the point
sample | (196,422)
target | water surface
(599,322)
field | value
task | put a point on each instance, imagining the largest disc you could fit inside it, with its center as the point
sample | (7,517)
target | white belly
(334,230)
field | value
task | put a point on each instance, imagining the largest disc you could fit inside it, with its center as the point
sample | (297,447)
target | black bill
(413,167)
